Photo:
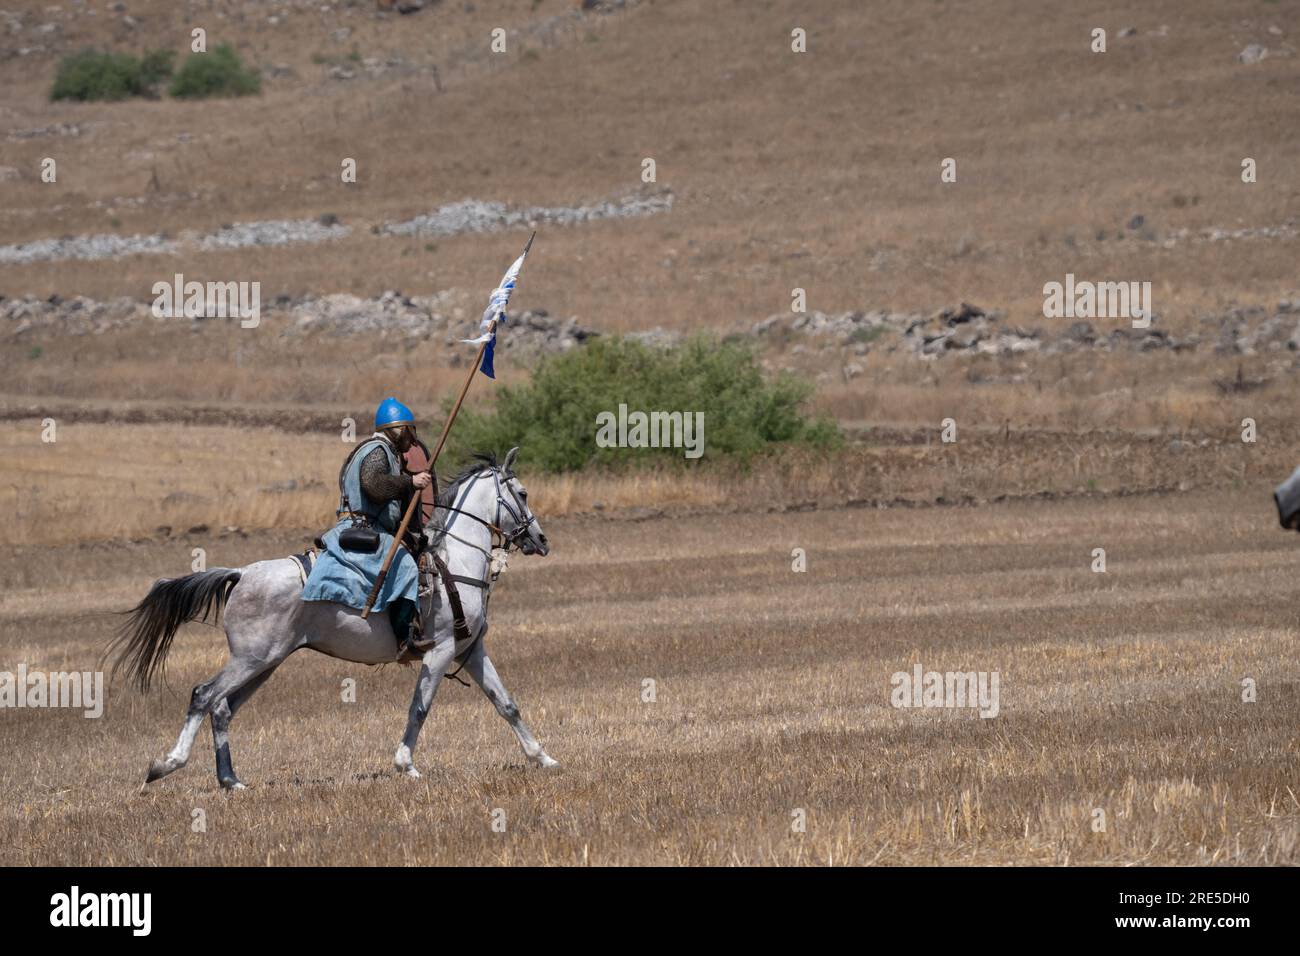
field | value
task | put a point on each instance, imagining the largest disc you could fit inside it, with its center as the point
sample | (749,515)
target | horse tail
(146,636)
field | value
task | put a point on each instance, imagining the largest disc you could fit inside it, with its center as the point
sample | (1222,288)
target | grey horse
(266,621)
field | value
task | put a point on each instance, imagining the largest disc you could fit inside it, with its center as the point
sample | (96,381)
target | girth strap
(458,626)
(462,579)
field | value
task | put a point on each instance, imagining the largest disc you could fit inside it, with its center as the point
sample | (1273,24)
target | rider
(374,492)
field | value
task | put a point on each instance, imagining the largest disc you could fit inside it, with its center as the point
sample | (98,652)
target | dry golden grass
(1052,141)
(104,480)
(99,482)
(817,171)
(1119,691)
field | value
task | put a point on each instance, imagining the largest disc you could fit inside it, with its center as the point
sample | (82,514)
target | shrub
(219,72)
(156,66)
(95,75)
(553,417)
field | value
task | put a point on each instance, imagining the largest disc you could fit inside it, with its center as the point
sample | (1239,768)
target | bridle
(514,508)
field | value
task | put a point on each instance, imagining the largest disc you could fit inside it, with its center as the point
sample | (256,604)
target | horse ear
(510,459)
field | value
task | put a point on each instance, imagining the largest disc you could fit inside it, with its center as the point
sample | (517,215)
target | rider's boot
(407,626)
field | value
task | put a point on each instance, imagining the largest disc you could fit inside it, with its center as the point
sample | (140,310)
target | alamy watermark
(74,689)
(75,908)
(213,300)
(651,430)
(1098,300)
(951,689)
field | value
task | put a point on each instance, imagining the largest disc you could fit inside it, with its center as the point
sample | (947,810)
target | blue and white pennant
(495,314)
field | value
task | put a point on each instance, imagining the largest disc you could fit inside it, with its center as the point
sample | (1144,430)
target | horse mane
(481,460)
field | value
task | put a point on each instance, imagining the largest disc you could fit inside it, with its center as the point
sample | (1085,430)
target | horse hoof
(546,762)
(402,761)
(232,785)
(159,769)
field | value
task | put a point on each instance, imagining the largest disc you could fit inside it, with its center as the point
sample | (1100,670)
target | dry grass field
(1120,691)
(104,481)
(817,171)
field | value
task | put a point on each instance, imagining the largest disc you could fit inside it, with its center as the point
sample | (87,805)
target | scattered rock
(56,129)
(1081,332)
(964,329)
(962,313)
(477,216)
(1252,54)
(274,232)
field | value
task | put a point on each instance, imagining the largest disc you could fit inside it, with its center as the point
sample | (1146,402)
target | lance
(488,332)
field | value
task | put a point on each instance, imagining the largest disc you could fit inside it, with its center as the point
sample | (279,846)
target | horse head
(522,527)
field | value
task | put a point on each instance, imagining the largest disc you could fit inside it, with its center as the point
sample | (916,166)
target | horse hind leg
(222,714)
(203,698)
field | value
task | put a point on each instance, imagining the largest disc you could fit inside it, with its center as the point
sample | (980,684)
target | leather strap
(472,582)
(458,625)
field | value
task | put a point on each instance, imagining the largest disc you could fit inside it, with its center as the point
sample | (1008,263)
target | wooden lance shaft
(415,497)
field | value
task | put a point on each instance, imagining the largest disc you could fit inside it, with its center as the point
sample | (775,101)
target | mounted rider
(374,491)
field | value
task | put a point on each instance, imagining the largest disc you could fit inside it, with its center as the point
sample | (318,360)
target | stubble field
(1120,692)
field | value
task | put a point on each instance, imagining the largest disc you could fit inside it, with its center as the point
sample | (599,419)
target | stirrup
(414,646)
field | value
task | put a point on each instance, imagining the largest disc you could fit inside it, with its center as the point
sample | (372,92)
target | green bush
(156,66)
(553,417)
(95,75)
(219,72)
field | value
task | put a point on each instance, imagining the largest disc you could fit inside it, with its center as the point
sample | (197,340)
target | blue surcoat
(348,576)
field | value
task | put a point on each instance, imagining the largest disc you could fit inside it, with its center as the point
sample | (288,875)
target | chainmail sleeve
(377,484)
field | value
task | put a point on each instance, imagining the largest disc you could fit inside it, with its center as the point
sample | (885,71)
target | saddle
(307,561)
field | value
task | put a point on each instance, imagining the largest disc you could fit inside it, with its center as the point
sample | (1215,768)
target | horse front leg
(479,666)
(434,664)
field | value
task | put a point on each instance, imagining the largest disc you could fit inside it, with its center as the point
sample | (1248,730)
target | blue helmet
(392,412)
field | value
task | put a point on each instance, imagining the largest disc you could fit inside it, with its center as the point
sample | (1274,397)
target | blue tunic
(348,576)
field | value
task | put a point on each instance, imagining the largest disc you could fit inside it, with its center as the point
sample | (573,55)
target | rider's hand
(421,481)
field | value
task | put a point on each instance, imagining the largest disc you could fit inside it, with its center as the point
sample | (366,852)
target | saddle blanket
(347,576)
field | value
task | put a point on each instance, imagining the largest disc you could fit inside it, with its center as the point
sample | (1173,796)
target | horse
(266,621)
